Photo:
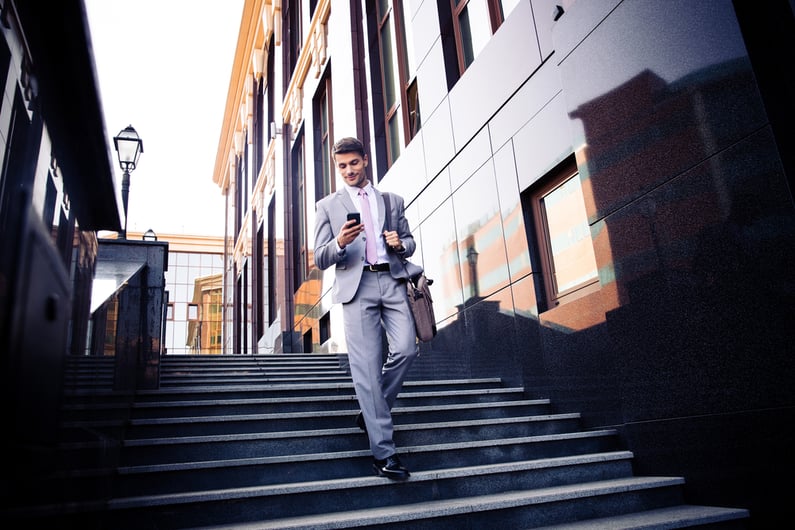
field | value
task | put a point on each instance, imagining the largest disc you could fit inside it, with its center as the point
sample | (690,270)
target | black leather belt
(379,267)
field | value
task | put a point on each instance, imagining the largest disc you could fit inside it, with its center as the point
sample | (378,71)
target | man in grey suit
(370,284)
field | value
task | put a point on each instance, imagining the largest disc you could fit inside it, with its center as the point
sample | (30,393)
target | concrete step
(283,389)
(356,466)
(108,406)
(270,442)
(413,504)
(682,516)
(307,442)
(231,421)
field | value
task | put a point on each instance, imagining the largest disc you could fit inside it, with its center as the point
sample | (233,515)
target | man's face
(351,166)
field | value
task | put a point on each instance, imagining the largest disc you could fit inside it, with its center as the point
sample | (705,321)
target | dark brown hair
(348,145)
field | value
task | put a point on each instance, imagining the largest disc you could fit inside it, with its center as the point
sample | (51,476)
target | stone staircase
(270,442)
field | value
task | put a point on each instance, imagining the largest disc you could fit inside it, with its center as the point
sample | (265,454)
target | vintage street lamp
(128,147)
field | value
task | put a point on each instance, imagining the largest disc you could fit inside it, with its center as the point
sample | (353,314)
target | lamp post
(129,147)
(472,259)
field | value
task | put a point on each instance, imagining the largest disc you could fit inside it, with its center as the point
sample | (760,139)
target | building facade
(194,310)
(57,189)
(602,192)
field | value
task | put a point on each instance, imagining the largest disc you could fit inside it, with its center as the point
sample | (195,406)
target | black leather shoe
(391,468)
(360,422)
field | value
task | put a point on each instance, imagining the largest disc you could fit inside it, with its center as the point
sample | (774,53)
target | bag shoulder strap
(387,215)
(387,210)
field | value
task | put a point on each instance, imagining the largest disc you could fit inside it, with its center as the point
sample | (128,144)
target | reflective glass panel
(388,65)
(569,235)
(475,24)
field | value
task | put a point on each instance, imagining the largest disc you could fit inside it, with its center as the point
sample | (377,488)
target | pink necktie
(369,236)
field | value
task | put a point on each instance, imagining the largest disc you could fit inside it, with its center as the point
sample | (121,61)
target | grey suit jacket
(331,214)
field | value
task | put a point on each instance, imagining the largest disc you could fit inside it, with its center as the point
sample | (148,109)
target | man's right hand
(350,231)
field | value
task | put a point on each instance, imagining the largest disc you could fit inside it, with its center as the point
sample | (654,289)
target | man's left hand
(393,241)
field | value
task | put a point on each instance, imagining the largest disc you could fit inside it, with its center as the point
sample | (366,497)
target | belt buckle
(371,267)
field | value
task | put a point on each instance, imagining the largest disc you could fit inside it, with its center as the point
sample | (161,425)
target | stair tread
(158,420)
(460,505)
(287,458)
(534,496)
(662,518)
(184,390)
(317,414)
(524,471)
(326,432)
(238,462)
(675,515)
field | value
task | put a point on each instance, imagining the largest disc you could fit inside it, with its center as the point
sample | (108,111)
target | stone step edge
(225,438)
(216,389)
(670,517)
(466,472)
(344,412)
(459,506)
(363,453)
(284,399)
(397,411)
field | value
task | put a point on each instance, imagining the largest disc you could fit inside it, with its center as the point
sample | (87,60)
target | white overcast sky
(164,67)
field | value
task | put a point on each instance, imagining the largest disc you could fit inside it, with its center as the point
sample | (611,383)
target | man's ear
(366,160)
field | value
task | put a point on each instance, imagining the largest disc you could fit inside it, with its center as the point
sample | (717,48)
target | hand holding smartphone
(355,216)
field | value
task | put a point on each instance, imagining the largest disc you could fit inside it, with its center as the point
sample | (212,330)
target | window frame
(325,178)
(405,107)
(550,297)
(301,267)
(457,7)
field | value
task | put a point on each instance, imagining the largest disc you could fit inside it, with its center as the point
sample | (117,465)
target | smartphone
(356,217)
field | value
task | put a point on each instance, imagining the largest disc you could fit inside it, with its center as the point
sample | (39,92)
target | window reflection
(570,245)
(475,23)
(507,6)
(185,271)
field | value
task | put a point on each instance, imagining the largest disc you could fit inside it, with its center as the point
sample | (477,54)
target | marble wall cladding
(441,260)
(437,191)
(711,285)
(437,139)
(481,340)
(407,177)
(469,159)
(504,64)
(543,142)
(431,80)
(691,219)
(655,90)
(544,20)
(481,241)
(533,96)
(511,213)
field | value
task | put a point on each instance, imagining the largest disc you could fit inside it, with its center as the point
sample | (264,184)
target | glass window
(411,105)
(324,176)
(565,251)
(475,28)
(181,274)
(474,22)
(570,244)
(506,6)
(396,101)
(300,250)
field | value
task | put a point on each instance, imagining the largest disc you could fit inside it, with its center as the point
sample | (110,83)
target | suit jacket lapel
(346,200)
